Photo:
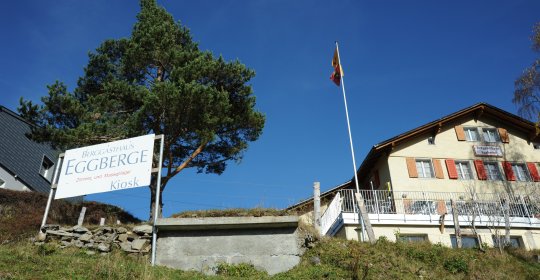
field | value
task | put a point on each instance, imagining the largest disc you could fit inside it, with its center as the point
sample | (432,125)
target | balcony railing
(438,203)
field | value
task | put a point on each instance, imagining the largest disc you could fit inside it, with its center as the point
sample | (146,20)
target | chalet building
(25,165)
(481,160)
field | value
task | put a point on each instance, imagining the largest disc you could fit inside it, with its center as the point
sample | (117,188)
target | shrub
(456,265)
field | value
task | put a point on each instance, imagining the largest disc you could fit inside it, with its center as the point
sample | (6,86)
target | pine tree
(155,81)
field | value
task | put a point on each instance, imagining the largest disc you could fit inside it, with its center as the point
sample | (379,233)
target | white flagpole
(362,215)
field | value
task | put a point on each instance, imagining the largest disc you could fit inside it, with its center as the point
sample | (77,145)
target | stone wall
(103,239)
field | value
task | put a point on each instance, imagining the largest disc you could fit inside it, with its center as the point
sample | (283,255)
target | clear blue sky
(406,63)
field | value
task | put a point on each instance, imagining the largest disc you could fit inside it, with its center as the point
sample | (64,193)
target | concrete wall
(273,244)
(11,183)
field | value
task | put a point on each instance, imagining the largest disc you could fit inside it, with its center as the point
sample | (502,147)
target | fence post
(317,206)
(455,214)
(81,216)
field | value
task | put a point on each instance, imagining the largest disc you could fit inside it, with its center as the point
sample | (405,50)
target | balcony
(432,208)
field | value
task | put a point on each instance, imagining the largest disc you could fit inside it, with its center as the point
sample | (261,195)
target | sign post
(158,190)
(53,190)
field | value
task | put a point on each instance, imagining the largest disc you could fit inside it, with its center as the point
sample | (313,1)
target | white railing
(438,203)
(331,214)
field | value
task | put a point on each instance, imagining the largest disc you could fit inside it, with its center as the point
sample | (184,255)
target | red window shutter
(460,133)
(504,135)
(534,172)
(376,179)
(438,169)
(451,167)
(507,166)
(411,167)
(480,170)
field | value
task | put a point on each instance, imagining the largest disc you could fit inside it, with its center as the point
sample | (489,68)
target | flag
(338,71)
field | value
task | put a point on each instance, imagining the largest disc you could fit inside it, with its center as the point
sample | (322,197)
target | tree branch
(191,157)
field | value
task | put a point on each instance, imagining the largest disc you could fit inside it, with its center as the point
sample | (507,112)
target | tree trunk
(153,190)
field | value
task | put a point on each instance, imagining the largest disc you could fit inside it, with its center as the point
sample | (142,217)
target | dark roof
(21,156)
(477,110)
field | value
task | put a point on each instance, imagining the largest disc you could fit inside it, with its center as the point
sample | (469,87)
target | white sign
(106,167)
(487,151)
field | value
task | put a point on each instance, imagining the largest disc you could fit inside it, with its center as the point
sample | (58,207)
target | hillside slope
(21,214)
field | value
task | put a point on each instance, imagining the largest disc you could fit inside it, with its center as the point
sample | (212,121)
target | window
(464,170)
(492,171)
(487,134)
(515,241)
(471,134)
(536,146)
(412,238)
(46,168)
(467,241)
(424,168)
(520,171)
(431,140)
(491,135)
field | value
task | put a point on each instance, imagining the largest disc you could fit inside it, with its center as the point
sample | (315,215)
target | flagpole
(362,215)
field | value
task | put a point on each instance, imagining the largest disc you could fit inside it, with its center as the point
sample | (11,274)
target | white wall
(11,183)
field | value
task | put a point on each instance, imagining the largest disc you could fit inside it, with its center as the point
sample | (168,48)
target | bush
(456,265)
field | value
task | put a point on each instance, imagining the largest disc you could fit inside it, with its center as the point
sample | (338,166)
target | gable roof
(434,127)
(20,155)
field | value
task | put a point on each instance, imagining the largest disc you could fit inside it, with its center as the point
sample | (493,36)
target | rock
(86,237)
(78,244)
(50,227)
(59,233)
(65,243)
(138,244)
(104,247)
(41,236)
(315,260)
(123,237)
(90,252)
(146,249)
(125,246)
(121,230)
(146,236)
(142,229)
(132,236)
(79,229)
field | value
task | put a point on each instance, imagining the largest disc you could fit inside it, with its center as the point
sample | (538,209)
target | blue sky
(406,63)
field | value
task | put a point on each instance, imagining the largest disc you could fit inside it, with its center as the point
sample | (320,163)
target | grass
(233,212)
(330,259)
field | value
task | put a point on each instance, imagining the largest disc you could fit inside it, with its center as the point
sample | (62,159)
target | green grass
(233,212)
(339,259)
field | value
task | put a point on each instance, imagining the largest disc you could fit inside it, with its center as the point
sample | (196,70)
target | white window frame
(463,167)
(492,135)
(520,172)
(425,164)
(44,171)
(490,174)
(468,134)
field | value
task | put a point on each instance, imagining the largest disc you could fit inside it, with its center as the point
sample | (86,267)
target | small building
(25,165)
(480,163)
